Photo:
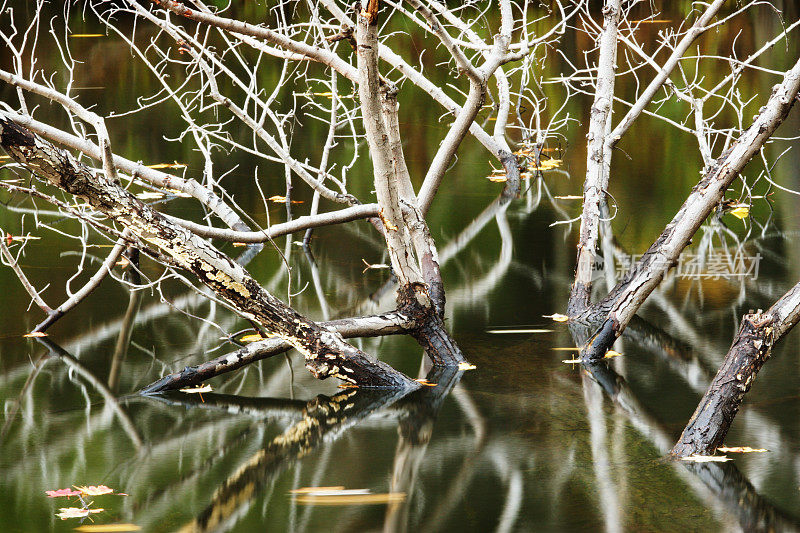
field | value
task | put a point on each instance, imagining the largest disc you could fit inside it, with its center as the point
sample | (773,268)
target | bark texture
(325,351)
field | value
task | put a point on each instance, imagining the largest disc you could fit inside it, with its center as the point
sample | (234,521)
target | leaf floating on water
(351,499)
(425,382)
(108,528)
(197,390)
(510,331)
(251,338)
(557,317)
(466,366)
(150,195)
(61,492)
(310,490)
(741,449)
(740,211)
(282,200)
(66,513)
(95,490)
(36,334)
(158,166)
(707,459)
(611,353)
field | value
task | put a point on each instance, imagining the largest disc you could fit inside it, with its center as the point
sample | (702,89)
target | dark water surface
(524,442)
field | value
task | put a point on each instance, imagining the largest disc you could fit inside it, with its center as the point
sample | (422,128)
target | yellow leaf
(197,390)
(282,199)
(557,317)
(740,211)
(95,490)
(36,334)
(425,382)
(548,164)
(741,449)
(251,338)
(167,165)
(240,244)
(707,458)
(108,528)
(466,366)
(611,353)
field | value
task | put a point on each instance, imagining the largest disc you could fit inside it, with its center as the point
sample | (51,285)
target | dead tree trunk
(751,348)
(411,250)
(325,351)
(624,300)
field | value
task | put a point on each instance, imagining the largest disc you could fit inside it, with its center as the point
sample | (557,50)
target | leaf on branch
(36,334)
(282,200)
(251,338)
(741,449)
(557,317)
(61,492)
(740,211)
(76,512)
(707,459)
(466,366)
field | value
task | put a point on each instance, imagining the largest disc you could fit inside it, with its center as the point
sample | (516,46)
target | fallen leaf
(150,195)
(308,490)
(108,528)
(358,499)
(557,317)
(61,492)
(466,366)
(707,458)
(282,199)
(510,331)
(740,211)
(36,334)
(76,512)
(611,353)
(197,390)
(95,490)
(741,449)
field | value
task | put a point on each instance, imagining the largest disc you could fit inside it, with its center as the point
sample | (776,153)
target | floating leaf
(741,449)
(108,528)
(197,390)
(282,200)
(740,211)
(251,338)
(36,334)
(557,317)
(167,165)
(348,499)
(611,353)
(466,366)
(707,458)
(61,492)
(150,195)
(95,490)
(510,331)
(76,512)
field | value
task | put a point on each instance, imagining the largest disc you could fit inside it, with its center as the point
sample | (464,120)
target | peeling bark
(325,351)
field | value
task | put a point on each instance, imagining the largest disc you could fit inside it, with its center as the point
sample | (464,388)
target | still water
(523,442)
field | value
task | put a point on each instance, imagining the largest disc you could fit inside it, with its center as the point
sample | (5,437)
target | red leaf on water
(61,492)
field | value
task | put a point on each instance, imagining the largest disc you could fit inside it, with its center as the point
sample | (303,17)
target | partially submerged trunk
(751,348)
(325,351)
